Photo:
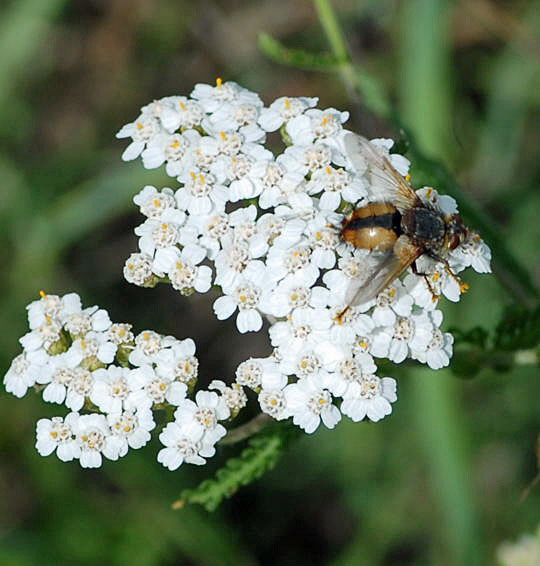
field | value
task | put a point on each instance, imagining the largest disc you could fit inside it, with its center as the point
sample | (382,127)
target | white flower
(282,110)
(412,333)
(183,270)
(84,320)
(245,296)
(142,131)
(149,389)
(147,344)
(438,351)
(239,116)
(160,236)
(440,281)
(351,370)
(111,388)
(305,327)
(205,412)
(234,264)
(445,203)
(400,163)
(23,372)
(95,439)
(172,149)
(237,169)
(183,443)
(79,388)
(120,334)
(292,293)
(274,183)
(299,205)
(324,240)
(138,269)
(57,434)
(316,124)
(273,403)
(335,184)
(280,230)
(152,202)
(43,336)
(296,260)
(178,362)
(353,272)
(94,347)
(223,144)
(132,428)
(473,252)
(234,396)
(242,221)
(180,112)
(52,307)
(212,98)
(58,374)
(201,194)
(309,401)
(391,303)
(208,231)
(370,397)
(280,264)
(524,552)
(257,372)
(306,159)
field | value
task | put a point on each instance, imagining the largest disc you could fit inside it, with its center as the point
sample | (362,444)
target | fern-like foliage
(518,329)
(261,455)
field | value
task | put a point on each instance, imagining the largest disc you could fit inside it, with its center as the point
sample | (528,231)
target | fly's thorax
(425,226)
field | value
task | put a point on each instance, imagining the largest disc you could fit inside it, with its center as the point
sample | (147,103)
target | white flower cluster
(524,552)
(79,358)
(277,254)
(264,229)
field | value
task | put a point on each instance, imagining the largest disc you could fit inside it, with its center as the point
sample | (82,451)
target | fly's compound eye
(454,242)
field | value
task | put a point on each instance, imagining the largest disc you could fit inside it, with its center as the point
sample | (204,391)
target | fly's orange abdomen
(375,226)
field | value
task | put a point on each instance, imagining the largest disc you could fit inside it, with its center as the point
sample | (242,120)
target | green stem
(424,74)
(338,44)
(335,37)
(442,431)
(246,430)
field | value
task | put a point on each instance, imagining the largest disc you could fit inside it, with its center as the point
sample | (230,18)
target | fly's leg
(463,287)
(339,317)
(434,296)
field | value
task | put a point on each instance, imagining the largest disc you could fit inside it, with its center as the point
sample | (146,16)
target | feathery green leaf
(261,455)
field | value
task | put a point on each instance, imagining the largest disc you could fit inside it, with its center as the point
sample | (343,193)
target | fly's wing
(391,266)
(386,181)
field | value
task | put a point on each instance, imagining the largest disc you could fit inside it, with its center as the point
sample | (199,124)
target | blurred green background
(440,482)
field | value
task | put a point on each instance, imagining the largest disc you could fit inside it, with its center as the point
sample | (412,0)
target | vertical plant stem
(338,44)
(361,86)
(424,74)
(445,441)
(426,105)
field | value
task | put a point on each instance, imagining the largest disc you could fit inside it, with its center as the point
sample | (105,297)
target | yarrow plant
(264,229)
